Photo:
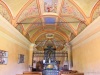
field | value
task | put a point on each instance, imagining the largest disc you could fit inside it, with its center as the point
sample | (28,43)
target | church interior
(49,37)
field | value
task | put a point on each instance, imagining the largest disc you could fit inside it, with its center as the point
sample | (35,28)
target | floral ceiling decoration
(65,19)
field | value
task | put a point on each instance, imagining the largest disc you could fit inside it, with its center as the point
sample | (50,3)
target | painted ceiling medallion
(50,6)
(49,35)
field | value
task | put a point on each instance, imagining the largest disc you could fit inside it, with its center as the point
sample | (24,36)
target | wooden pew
(35,73)
(73,74)
(26,74)
(70,72)
(29,74)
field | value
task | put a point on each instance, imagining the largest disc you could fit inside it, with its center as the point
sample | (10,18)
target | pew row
(30,73)
(27,72)
(73,74)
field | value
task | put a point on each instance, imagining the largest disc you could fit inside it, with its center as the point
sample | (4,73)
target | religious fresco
(72,36)
(50,6)
(65,27)
(4,13)
(49,27)
(69,9)
(36,24)
(27,36)
(60,23)
(27,22)
(67,32)
(42,41)
(81,27)
(72,21)
(19,28)
(51,16)
(33,32)
(96,13)
(31,10)
(64,24)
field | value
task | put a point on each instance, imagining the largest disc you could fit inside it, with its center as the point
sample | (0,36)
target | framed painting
(3,57)
(21,58)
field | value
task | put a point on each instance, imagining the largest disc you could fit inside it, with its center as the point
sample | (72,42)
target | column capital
(33,44)
(33,47)
(68,45)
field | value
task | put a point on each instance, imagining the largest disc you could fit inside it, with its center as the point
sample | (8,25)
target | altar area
(50,64)
(50,61)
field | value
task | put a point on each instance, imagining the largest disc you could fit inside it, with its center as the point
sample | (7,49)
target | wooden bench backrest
(74,74)
(35,73)
(27,74)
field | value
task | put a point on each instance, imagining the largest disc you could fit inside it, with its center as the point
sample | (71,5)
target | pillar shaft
(70,60)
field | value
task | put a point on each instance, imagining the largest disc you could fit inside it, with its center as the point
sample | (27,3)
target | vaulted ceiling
(61,19)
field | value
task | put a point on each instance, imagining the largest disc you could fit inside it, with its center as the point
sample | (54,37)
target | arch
(94,8)
(33,38)
(79,9)
(23,8)
(74,31)
(8,10)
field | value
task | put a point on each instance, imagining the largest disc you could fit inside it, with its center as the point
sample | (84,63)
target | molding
(87,40)
(12,40)
(32,46)
(89,33)
(13,31)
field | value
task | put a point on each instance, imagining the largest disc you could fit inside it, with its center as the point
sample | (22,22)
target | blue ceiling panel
(49,20)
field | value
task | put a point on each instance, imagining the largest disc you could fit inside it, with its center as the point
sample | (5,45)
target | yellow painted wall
(13,42)
(86,57)
(86,49)
(12,67)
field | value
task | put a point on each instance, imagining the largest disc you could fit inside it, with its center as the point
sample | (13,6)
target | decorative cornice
(13,31)
(12,40)
(89,33)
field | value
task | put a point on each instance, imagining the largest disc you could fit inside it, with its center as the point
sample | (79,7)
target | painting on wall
(50,5)
(20,58)
(3,57)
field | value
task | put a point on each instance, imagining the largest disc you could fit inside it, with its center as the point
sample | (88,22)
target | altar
(50,63)
(50,72)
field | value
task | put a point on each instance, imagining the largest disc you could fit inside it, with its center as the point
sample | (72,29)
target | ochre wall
(86,53)
(15,43)
(86,58)
(12,67)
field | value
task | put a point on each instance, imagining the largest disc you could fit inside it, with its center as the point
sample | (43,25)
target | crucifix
(49,54)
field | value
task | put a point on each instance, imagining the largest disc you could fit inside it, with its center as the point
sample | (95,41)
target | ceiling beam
(26,31)
(45,22)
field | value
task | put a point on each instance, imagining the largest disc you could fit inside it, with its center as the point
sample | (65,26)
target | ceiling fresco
(35,19)
(50,5)
(4,12)
(69,9)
